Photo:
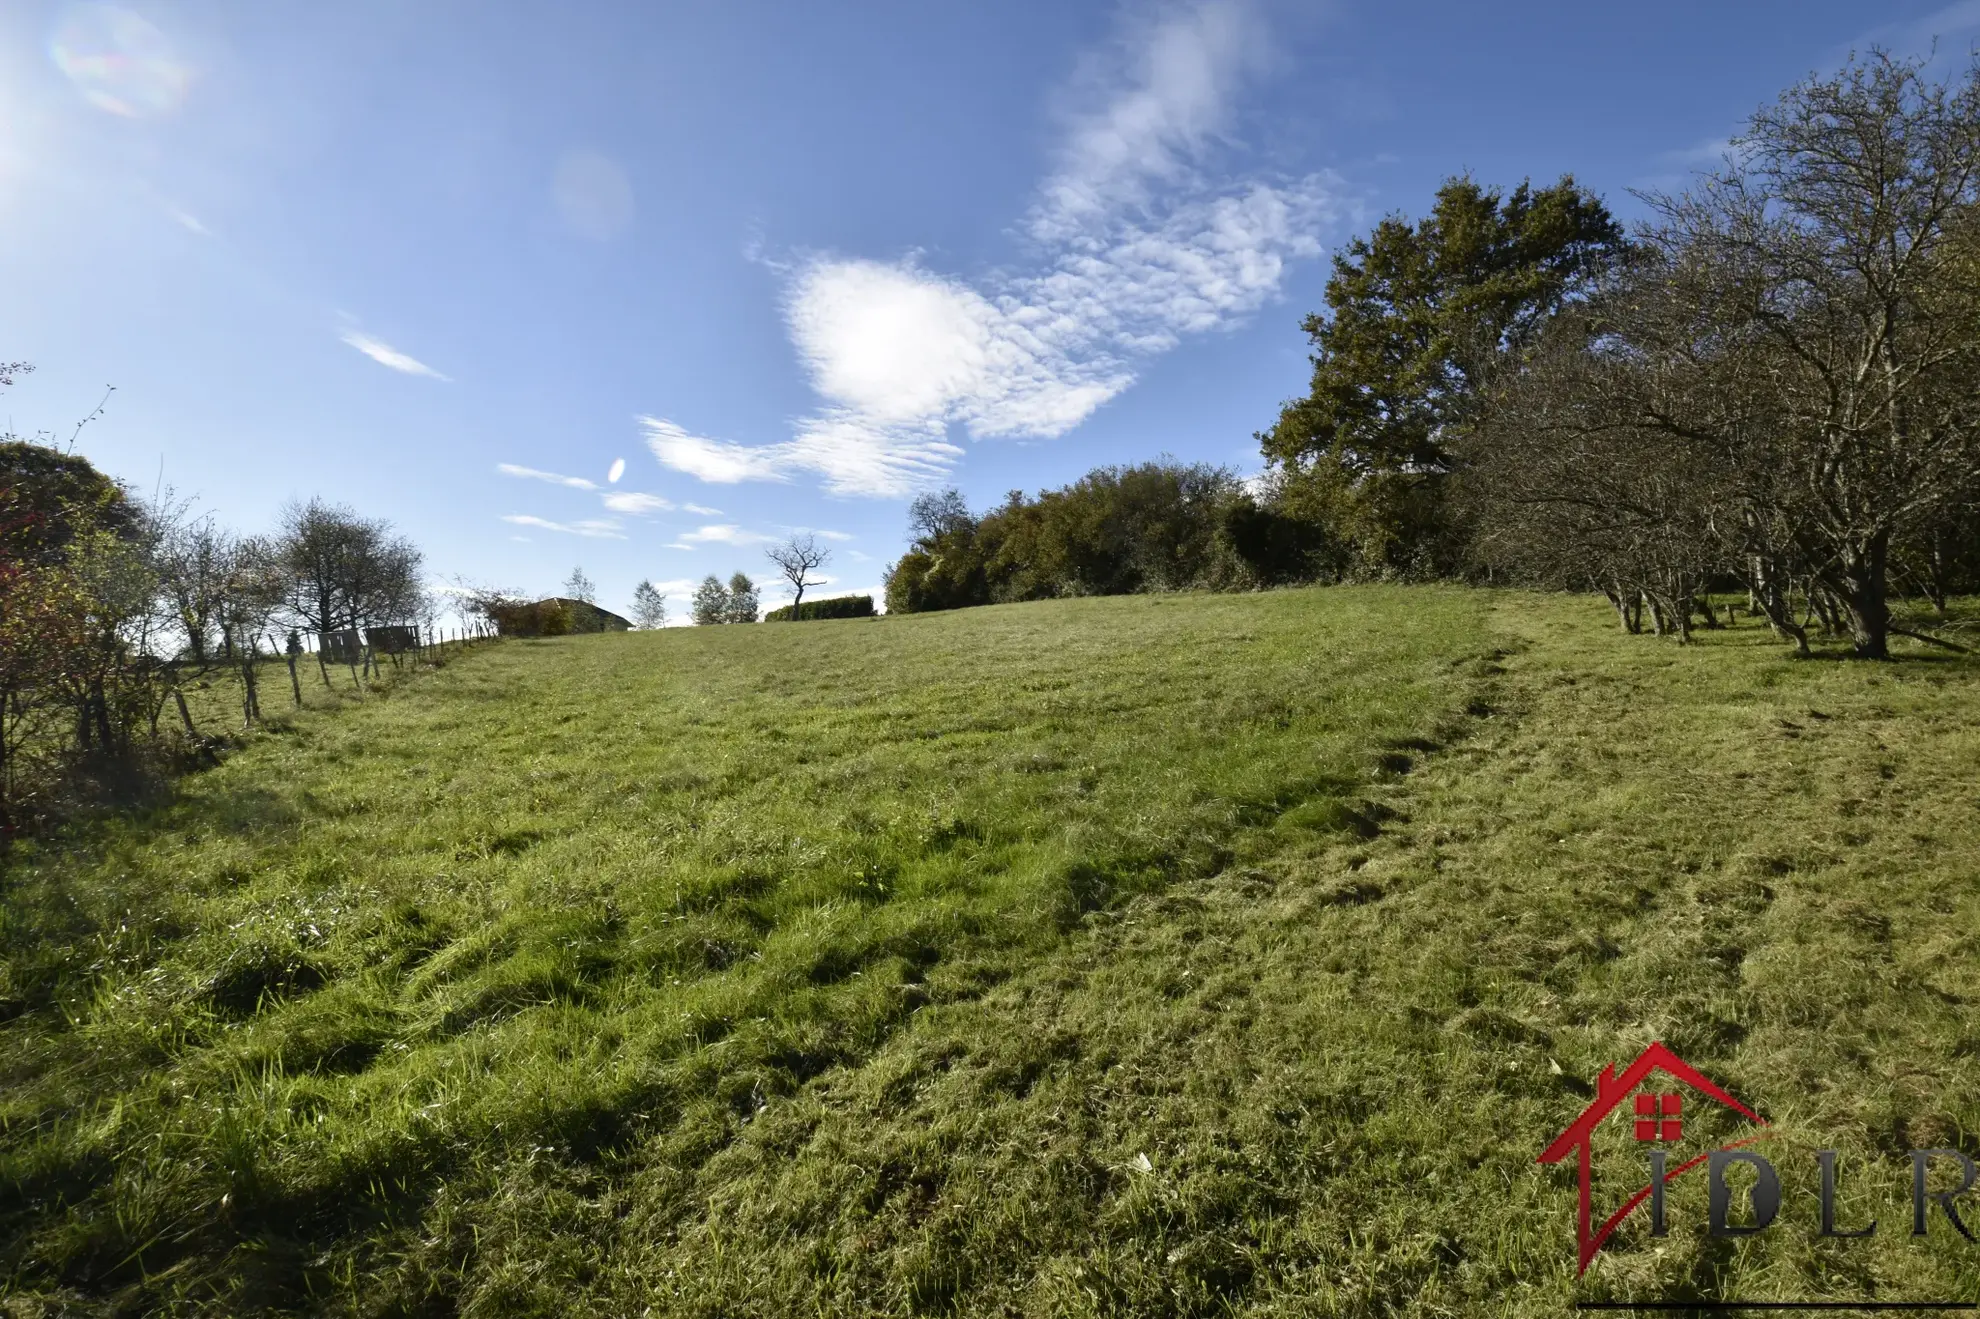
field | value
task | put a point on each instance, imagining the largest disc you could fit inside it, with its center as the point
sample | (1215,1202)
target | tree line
(1769,387)
(109,603)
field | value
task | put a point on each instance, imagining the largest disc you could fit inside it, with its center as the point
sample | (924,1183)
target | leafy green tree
(743,606)
(711,602)
(1419,317)
(579,587)
(649,607)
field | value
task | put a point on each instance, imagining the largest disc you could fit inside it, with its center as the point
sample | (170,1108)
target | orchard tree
(341,570)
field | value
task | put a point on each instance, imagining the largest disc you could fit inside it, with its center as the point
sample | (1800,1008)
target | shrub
(540,618)
(838,606)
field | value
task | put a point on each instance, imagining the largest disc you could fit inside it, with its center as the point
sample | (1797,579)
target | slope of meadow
(1150,955)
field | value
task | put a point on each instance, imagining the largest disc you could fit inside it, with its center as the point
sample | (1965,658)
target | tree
(742,599)
(1418,319)
(194,554)
(649,606)
(342,570)
(711,602)
(797,557)
(1841,256)
(579,587)
(936,514)
(1789,355)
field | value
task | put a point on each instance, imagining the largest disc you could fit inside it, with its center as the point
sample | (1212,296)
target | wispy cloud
(720,461)
(723,534)
(385,355)
(597,528)
(1710,153)
(821,533)
(554,478)
(1135,244)
(189,222)
(1949,29)
(636,503)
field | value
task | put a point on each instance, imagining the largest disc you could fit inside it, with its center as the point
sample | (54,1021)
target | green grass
(1156,955)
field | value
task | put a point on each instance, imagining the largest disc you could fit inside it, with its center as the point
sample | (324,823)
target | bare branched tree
(1779,383)
(798,557)
(342,570)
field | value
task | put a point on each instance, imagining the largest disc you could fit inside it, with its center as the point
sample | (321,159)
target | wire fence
(302,669)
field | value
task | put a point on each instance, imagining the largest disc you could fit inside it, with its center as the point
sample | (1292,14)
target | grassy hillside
(1186,954)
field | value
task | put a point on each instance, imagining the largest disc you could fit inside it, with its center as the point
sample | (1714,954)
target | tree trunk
(1865,597)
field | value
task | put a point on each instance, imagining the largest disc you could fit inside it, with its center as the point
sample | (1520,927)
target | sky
(642,288)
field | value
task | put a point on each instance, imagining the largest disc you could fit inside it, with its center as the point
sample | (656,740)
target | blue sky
(451,261)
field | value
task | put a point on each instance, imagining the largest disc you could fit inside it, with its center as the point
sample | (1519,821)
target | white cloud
(632,501)
(574,482)
(596,528)
(701,510)
(723,534)
(618,470)
(822,533)
(386,355)
(189,222)
(719,461)
(1135,246)
(1153,111)
(676,586)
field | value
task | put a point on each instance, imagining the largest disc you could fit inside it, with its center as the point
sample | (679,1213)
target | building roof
(602,617)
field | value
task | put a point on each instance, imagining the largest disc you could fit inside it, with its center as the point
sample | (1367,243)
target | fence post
(322,667)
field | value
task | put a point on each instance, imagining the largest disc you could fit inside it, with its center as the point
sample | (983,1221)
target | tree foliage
(743,606)
(1159,526)
(649,606)
(711,604)
(1419,319)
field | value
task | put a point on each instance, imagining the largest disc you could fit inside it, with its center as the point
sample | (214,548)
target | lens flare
(119,61)
(618,470)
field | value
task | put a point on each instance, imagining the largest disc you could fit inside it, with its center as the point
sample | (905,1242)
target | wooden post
(185,715)
(322,668)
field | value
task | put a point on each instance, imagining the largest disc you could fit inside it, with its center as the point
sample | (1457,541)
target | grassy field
(1199,954)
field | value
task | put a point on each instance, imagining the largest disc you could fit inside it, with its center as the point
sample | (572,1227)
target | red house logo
(1658,1120)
